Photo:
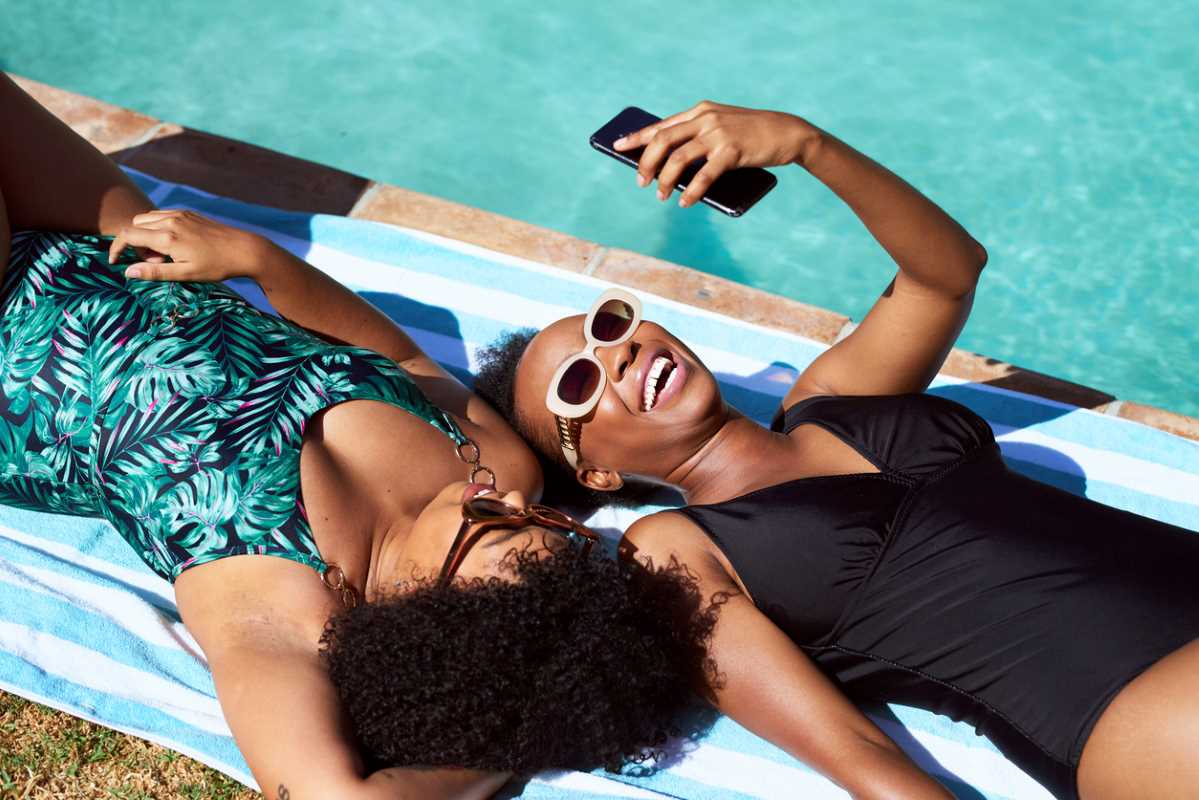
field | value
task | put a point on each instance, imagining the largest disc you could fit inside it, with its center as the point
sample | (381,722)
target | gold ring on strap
(474,451)
(468,452)
(334,578)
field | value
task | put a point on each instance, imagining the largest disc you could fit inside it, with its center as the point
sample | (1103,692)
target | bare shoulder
(272,602)
(666,535)
(663,532)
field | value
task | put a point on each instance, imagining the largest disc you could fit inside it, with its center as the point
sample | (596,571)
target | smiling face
(660,404)
(423,552)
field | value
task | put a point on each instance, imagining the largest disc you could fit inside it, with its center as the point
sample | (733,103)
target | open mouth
(473,490)
(659,377)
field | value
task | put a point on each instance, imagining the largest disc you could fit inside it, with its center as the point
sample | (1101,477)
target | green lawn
(48,755)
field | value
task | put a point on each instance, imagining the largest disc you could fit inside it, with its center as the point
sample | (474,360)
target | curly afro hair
(572,664)
(496,383)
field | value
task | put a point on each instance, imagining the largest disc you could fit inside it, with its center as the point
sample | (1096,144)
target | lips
(473,490)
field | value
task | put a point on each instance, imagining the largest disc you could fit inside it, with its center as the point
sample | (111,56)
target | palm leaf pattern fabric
(174,410)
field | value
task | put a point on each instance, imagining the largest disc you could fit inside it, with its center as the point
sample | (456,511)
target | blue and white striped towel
(85,627)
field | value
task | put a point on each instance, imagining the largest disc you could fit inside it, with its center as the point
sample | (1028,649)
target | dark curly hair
(570,664)
(496,383)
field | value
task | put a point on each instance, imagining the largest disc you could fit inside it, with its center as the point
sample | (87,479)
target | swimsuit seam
(905,506)
(874,458)
(895,524)
(951,686)
(853,444)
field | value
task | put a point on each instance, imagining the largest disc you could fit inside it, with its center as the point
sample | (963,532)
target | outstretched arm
(276,694)
(286,720)
(768,684)
(904,339)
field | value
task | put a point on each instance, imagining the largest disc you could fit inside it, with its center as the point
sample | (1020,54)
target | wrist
(808,141)
(261,257)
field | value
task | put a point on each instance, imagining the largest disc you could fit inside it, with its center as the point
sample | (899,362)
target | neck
(386,542)
(740,457)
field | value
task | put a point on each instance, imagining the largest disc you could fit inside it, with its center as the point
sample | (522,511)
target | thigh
(1146,741)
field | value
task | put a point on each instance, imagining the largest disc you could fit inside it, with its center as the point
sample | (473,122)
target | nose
(617,358)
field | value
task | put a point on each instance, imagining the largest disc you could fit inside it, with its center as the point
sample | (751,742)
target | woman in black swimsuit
(873,544)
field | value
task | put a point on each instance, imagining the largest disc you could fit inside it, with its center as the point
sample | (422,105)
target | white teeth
(670,379)
(651,381)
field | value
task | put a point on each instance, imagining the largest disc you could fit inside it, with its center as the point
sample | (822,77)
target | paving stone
(391,204)
(244,171)
(981,369)
(1178,424)
(696,288)
(110,128)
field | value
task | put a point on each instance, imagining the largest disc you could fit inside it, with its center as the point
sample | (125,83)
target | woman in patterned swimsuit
(206,432)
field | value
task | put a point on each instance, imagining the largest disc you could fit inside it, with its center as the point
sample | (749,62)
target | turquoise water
(1062,135)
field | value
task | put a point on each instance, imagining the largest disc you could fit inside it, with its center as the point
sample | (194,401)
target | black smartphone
(733,193)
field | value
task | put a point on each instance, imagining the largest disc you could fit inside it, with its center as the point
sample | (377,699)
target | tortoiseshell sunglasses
(485,513)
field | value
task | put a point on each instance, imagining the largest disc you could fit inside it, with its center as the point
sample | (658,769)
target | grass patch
(48,755)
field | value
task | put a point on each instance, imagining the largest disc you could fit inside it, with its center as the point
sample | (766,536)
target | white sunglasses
(577,385)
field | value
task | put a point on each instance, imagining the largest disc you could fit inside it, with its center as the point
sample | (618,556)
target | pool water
(1062,135)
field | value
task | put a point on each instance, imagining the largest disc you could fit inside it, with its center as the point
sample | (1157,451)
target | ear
(599,478)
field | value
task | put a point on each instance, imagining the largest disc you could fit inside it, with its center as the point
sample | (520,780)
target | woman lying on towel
(412,614)
(872,543)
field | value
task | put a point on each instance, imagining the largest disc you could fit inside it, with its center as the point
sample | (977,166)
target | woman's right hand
(728,137)
(199,248)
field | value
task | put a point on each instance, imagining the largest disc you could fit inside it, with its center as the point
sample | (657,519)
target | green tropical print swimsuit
(176,411)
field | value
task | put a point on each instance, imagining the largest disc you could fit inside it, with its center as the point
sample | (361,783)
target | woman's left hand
(199,249)
(727,136)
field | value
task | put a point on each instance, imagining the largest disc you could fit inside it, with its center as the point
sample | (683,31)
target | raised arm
(52,178)
(904,339)
(772,688)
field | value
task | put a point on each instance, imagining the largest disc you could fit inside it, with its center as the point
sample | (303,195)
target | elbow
(965,279)
(980,256)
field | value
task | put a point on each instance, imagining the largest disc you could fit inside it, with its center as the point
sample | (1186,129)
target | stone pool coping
(257,175)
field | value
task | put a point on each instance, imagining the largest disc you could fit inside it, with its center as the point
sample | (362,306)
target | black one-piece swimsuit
(950,583)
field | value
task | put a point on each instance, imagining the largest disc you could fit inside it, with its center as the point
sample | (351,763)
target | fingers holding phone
(712,153)
(729,137)
(672,145)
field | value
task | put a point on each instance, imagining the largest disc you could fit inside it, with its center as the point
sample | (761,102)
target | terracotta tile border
(257,175)
(706,291)
(235,169)
(391,204)
(110,128)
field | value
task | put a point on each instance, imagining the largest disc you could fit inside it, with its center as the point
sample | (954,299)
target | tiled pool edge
(253,174)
